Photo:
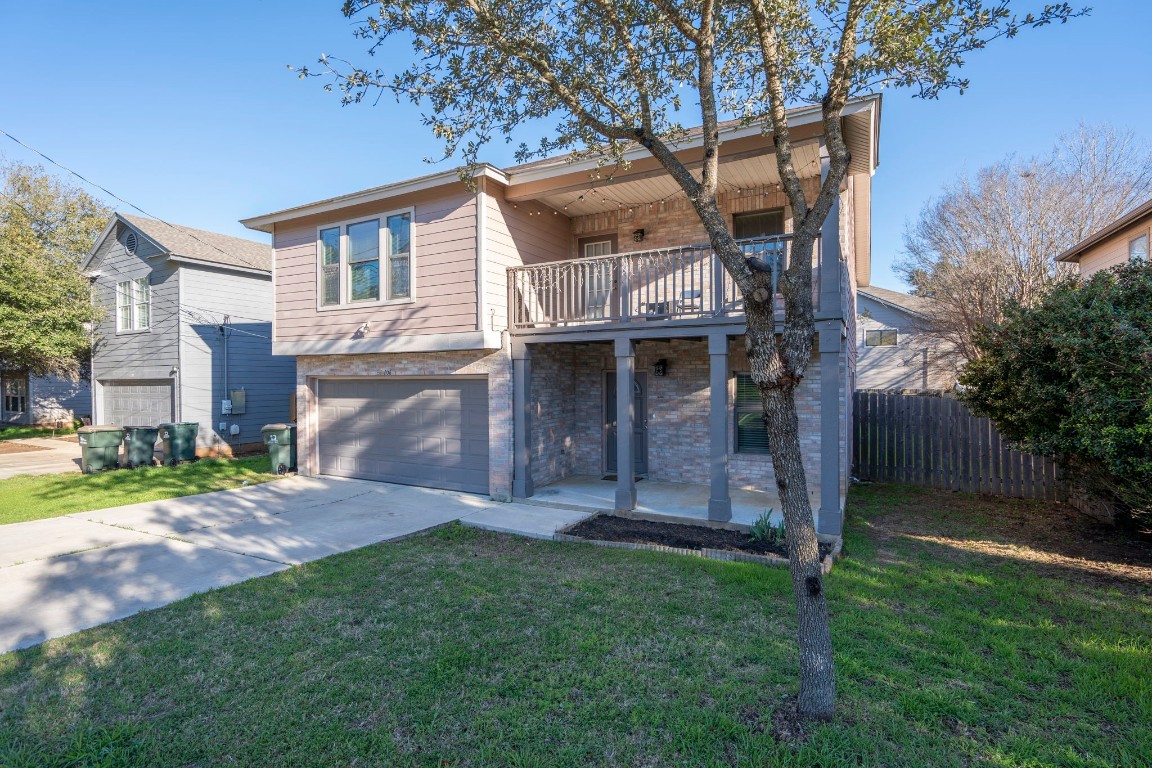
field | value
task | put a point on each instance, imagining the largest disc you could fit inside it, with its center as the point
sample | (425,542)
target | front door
(640,422)
(15,393)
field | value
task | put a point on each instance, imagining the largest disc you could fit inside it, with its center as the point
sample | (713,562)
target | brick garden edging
(711,554)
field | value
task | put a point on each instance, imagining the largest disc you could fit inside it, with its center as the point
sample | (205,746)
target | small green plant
(765,532)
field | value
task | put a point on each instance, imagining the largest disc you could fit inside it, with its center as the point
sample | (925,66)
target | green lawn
(19,433)
(33,497)
(462,648)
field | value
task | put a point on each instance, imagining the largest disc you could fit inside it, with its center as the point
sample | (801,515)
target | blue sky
(189,110)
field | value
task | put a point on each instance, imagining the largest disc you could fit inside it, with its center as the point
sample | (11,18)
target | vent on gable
(130,242)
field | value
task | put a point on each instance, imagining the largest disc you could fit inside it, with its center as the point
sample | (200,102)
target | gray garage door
(427,432)
(137,403)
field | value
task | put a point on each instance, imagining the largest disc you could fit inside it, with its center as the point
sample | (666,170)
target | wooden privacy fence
(935,442)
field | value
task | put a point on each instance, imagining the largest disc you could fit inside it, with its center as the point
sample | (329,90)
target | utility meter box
(239,401)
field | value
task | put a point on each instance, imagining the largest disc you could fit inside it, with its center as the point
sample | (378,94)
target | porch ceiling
(754,170)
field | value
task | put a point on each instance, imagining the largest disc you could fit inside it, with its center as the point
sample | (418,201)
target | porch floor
(654,500)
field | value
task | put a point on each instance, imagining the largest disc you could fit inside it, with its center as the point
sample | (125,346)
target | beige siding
(517,235)
(862,205)
(1112,251)
(444,272)
(915,363)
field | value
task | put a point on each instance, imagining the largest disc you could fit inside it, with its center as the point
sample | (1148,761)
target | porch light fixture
(660,369)
(638,235)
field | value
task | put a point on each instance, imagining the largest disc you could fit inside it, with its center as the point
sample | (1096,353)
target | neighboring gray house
(42,400)
(186,333)
(892,351)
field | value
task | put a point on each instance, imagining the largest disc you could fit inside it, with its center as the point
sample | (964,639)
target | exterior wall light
(660,369)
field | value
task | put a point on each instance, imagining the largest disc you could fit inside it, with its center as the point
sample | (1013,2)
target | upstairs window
(133,305)
(1138,249)
(365,262)
(751,433)
(886,337)
(758,224)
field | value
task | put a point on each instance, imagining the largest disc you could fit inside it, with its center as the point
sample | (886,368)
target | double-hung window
(751,433)
(366,261)
(133,305)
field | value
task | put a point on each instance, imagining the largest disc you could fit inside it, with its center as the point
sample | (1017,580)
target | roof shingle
(202,245)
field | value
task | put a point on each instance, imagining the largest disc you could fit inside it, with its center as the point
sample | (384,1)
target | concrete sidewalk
(61,456)
(69,573)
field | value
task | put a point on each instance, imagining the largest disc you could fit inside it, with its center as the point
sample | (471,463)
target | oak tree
(46,229)
(612,74)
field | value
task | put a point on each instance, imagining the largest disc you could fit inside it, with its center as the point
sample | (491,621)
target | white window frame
(1132,257)
(126,299)
(384,256)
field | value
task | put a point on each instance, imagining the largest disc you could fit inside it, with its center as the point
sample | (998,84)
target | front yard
(34,497)
(23,433)
(962,638)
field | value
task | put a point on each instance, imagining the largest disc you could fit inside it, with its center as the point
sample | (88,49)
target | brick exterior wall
(568,420)
(674,222)
(496,366)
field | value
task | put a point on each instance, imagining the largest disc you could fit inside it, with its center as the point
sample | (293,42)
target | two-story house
(186,333)
(551,325)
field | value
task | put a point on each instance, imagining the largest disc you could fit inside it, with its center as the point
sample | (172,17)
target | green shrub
(765,532)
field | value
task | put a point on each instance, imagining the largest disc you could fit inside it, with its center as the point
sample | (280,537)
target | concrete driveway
(69,573)
(49,456)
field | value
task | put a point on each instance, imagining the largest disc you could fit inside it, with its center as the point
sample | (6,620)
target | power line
(113,195)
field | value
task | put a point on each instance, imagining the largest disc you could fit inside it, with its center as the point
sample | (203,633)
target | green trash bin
(281,442)
(178,442)
(99,448)
(139,447)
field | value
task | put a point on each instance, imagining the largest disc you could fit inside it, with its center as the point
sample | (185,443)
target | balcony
(681,283)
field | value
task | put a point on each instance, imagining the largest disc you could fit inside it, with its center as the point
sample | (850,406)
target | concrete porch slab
(533,521)
(656,500)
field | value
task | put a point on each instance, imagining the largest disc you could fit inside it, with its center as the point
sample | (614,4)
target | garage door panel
(137,403)
(418,431)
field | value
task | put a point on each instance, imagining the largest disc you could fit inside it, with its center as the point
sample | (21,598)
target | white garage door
(427,432)
(137,403)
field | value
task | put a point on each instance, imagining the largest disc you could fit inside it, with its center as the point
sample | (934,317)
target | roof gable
(188,244)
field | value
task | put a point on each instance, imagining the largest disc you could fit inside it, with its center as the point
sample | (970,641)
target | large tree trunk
(778,364)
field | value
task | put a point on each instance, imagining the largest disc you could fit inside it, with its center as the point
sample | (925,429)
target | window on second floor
(367,261)
(887,337)
(133,305)
(758,224)
(1138,249)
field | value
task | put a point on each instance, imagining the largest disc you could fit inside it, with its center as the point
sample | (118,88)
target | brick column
(719,501)
(522,486)
(625,425)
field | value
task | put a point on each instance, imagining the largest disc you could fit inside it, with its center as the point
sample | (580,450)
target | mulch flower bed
(677,535)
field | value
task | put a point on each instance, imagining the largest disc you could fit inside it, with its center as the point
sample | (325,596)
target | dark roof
(917,305)
(1075,252)
(201,245)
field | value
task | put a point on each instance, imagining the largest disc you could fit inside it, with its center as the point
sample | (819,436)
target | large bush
(1071,378)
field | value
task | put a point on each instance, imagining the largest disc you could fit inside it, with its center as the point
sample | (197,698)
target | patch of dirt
(695,537)
(1050,535)
(14,446)
(787,725)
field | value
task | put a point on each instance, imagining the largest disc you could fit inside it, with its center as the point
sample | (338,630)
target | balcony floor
(654,500)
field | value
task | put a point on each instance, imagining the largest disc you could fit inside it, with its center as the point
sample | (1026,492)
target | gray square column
(625,425)
(719,501)
(831,517)
(522,486)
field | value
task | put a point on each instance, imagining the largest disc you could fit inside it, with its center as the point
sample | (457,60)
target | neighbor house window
(751,433)
(133,305)
(350,268)
(1138,249)
(887,337)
